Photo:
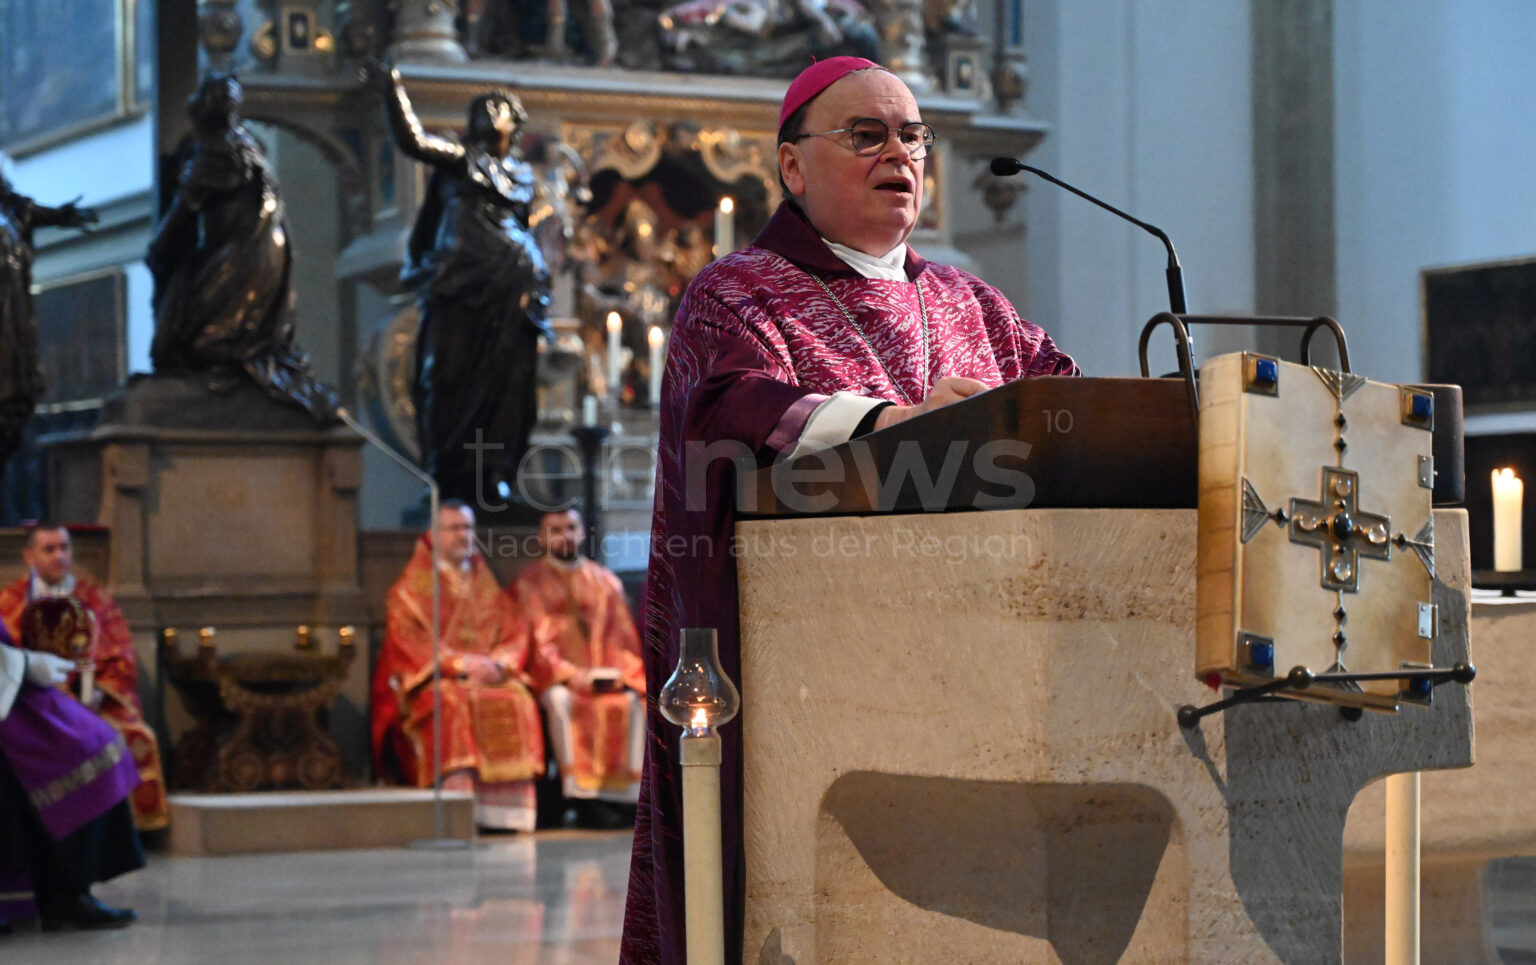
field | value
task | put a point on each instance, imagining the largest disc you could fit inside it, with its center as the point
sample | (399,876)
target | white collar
(40,590)
(892,266)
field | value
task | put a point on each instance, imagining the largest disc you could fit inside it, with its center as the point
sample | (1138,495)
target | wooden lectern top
(1044,442)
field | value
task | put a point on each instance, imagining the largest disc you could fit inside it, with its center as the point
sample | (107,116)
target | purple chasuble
(72,765)
(756,346)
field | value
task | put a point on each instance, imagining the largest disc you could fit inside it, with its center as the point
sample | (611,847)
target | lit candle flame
(700,719)
(656,335)
(727,205)
(614,322)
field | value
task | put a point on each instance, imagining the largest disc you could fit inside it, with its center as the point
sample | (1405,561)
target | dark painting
(81,337)
(1480,331)
(60,68)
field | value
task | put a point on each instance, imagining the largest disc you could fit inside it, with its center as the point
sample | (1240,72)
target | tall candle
(725,227)
(615,351)
(589,410)
(1508,497)
(657,339)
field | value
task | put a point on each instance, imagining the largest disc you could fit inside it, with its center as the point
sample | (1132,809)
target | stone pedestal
(961,745)
(226,509)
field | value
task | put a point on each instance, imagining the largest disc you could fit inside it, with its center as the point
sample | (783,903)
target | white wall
(107,166)
(1149,101)
(141,316)
(1436,129)
(104,166)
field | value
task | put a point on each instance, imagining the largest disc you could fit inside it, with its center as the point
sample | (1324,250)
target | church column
(424,30)
(1293,161)
(176,76)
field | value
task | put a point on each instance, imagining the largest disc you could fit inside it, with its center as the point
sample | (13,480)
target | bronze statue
(483,289)
(221,263)
(21,383)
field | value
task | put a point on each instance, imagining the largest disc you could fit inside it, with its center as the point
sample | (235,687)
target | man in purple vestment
(826,327)
(65,821)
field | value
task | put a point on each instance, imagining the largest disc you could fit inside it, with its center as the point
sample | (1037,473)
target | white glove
(45,669)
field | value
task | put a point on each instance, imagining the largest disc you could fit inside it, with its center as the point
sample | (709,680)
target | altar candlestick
(615,353)
(658,340)
(725,227)
(1508,498)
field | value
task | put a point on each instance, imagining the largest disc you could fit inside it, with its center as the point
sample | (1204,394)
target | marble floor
(554,897)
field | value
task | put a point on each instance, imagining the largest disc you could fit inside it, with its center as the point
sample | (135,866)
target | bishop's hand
(948,390)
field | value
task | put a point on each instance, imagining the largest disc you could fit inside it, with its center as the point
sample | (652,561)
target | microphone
(1006,166)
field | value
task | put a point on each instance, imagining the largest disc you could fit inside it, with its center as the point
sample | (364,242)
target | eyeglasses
(869,135)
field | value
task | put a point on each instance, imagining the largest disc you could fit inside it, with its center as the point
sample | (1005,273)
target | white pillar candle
(725,227)
(615,354)
(1402,869)
(703,898)
(658,340)
(589,410)
(1508,498)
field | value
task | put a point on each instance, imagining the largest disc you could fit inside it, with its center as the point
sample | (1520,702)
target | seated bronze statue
(222,260)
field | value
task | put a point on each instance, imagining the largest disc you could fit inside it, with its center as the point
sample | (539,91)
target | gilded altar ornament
(764,38)
(257,716)
(222,262)
(219,29)
(483,291)
(21,380)
(62,626)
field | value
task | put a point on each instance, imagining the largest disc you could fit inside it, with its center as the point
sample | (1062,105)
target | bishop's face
(869,203)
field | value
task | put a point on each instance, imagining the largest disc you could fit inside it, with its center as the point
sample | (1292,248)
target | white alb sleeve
(13,670)
(832,423)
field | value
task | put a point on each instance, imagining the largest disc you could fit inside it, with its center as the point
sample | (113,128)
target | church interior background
(1307,157)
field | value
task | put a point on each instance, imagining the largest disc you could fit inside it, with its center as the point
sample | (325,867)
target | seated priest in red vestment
(596,695)
(65,781)
(109,684)
(827,326)
(491,737)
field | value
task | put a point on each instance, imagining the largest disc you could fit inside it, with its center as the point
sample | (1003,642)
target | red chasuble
(583,621)
(117,680)
(756,345)
(492,729)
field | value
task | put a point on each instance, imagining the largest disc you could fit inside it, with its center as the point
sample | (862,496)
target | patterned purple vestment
(72,765)
(756,344)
